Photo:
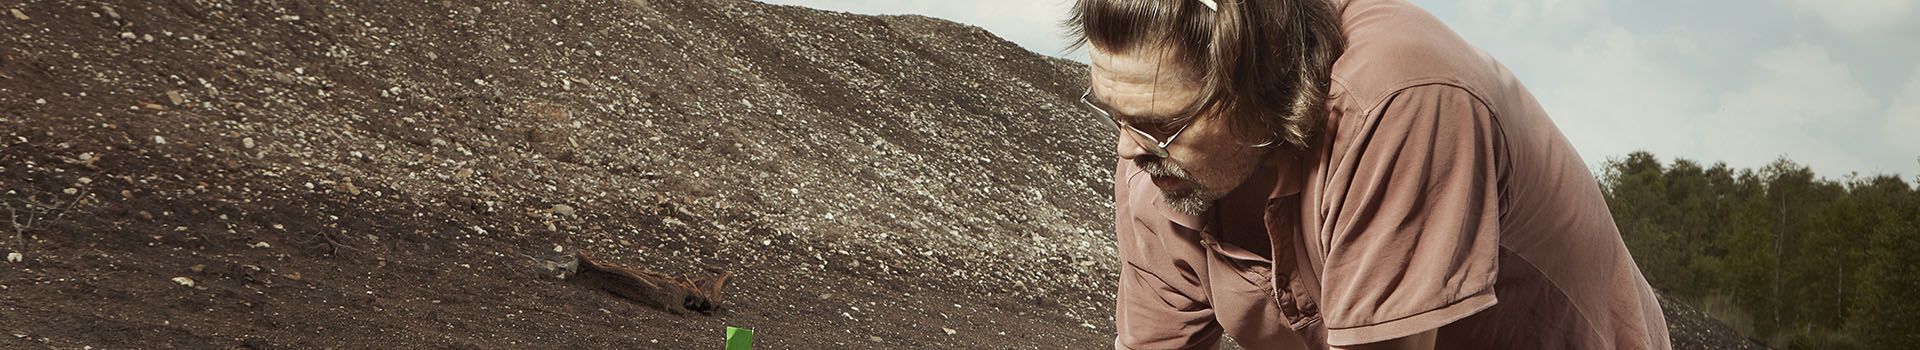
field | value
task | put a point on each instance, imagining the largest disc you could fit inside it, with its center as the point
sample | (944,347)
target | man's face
(1146,88)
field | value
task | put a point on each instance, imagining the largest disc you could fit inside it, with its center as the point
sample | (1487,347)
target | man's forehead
(1142,83)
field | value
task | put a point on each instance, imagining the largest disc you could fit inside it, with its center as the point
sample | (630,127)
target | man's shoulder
(1393,46)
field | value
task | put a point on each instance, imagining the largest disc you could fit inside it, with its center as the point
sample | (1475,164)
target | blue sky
(1834,84)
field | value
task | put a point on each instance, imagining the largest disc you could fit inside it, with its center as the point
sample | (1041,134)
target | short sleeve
(1413,234)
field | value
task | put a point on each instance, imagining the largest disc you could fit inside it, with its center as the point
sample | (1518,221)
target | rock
(246,142)
(562,209)
(157,139)
(260,245)
(15,257)
(21,15)
(174,96)
(347,187)
(184,281)
(949,331)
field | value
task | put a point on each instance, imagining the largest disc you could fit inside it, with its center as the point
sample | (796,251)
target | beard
(1193,199)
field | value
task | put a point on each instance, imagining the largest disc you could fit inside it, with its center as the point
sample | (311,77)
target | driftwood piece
(677,295)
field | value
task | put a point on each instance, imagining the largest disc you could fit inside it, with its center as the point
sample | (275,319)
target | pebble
(262,245)
(247,142)
(563,209)
(21,15)
(15,257)
(174,96)
(184,281)
(159,140)
(949,331)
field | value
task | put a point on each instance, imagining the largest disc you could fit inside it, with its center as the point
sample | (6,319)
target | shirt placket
(1296,286)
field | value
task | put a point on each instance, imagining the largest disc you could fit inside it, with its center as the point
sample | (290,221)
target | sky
(1831,84)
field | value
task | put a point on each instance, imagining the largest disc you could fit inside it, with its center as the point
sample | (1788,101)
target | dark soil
(399,174)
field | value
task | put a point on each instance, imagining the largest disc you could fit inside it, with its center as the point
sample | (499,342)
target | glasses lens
(1146,141)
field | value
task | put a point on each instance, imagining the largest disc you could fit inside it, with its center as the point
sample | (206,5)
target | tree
(1805,262)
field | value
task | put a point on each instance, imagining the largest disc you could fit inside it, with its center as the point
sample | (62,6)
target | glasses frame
(1145,140)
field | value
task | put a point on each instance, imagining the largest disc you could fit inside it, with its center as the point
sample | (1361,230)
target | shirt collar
(1291,174)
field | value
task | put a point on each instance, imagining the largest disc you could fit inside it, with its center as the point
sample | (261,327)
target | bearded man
(1345,174)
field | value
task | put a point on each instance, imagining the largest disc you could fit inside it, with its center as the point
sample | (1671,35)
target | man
(1345,174)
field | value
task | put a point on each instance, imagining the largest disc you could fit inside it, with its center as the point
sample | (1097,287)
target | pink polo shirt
(1440,196)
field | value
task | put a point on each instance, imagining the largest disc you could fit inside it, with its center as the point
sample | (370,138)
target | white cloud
(1802,104)
(1610,95)
(1903,118)
(1531,14)
(1857,16)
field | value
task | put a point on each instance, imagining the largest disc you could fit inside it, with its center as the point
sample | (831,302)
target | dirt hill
(391,174)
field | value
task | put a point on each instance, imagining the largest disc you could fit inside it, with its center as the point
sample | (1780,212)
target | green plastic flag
(739,338)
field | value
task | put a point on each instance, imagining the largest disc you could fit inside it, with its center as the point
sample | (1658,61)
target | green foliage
(1803,261)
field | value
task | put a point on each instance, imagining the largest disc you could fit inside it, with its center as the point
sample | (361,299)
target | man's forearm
(1421,341)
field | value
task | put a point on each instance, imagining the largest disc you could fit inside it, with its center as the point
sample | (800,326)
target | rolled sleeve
(1412,243)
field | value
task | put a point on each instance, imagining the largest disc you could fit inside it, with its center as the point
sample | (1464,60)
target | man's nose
(1129,147)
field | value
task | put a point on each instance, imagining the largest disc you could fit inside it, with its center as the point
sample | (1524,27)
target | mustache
(1160,168)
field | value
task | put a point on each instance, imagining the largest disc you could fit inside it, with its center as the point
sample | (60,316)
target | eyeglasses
(1146,140)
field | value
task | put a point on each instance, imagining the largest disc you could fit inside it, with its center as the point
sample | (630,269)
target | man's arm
(1414,219)
(1420,341)
(1155,306)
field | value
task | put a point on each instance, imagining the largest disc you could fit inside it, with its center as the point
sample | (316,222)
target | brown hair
(1266,64)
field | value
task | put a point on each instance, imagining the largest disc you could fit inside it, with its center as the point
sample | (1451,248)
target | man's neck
(1251,196)
(1240,217)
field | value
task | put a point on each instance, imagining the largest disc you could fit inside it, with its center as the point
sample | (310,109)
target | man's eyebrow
(1130,119)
